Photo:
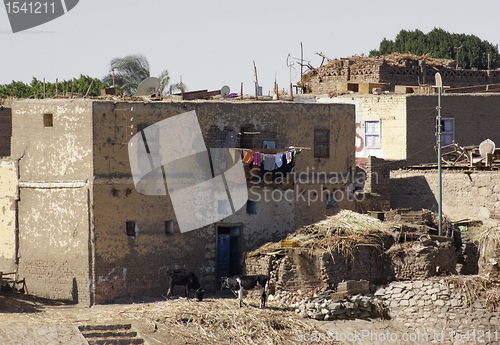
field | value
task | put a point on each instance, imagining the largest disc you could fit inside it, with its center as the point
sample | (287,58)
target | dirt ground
(216,320)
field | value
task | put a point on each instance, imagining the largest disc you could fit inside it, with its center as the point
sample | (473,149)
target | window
(169,227)
(372,133)
(130,228)
(251,207)
(321,143)
(447,131)
(47,120)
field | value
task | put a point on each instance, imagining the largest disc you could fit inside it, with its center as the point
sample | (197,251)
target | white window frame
(443,132)
(370,135)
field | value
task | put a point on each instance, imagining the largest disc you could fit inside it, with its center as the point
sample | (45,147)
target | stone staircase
(110,335)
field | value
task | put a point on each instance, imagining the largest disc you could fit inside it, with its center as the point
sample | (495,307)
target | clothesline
(269,161)
(277,150)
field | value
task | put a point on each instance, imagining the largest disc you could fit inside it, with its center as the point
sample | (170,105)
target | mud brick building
(359,72)
(403,127)
(70,202)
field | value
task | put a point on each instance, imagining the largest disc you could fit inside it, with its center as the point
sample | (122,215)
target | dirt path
(216,320)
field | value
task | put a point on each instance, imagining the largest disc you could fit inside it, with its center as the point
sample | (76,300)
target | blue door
(223,256)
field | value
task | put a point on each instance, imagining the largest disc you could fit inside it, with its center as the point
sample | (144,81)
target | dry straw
(221,321)
(477,288)
(343,232)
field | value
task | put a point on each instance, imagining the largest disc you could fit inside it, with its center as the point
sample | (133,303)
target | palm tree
(130,71)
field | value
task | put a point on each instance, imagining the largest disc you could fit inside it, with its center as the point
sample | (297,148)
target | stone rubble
(323,307)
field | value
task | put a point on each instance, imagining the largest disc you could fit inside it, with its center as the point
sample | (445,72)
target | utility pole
(439,85)
(256,81)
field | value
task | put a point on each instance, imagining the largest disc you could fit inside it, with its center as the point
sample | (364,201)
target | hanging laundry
(256,159)
(248,156)
(288,156)
(269,162)
(278,158)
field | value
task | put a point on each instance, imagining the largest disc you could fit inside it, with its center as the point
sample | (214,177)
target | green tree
(469,50)
(130,71)
(35,89)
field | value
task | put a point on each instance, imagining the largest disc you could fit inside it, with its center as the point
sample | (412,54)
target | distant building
(403,127)
(362,74)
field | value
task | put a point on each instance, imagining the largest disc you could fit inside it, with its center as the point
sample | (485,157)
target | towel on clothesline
(256,158)
(278,158)
(247,158)
(269,162)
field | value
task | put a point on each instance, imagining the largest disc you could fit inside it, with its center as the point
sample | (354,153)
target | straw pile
(343,232)
(478,288)
(223,322)
(487,237)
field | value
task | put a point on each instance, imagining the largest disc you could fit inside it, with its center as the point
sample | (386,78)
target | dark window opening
(321,143)
(130,228)
(169,227)
(47,120)
(251,207)
(246,136)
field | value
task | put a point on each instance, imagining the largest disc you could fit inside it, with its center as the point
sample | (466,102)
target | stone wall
(466,194)
(432,306)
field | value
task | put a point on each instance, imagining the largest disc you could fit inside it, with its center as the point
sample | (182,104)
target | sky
(210,44)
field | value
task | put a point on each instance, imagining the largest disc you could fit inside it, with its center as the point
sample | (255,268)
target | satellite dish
(148,86)
(224,92)
(439,80)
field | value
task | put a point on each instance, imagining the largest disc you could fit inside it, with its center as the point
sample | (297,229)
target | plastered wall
(55,205)
(477,117)
(391,111)
(466,194)
(8,209)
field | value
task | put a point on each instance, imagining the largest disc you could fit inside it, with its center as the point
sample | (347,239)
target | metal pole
(440,180)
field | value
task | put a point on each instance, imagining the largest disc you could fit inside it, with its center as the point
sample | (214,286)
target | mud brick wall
(5,130)
(326,79)
(413,260)
(466,194)
(301,270)
(477,117)
(433,306)
(378,174)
